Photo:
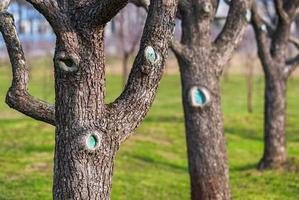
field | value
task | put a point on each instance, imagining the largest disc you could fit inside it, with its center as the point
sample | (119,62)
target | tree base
(271,164)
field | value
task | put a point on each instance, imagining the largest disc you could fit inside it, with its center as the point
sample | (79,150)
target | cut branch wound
(67,63)
(207,7)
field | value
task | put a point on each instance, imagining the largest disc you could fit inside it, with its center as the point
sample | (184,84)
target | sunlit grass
(152,163)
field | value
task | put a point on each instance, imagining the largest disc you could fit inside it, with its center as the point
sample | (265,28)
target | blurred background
(152,164)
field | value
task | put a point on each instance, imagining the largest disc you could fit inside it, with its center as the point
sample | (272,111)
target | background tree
(88,132)
(129,24)
(201,61)
(273,36)
(249,81)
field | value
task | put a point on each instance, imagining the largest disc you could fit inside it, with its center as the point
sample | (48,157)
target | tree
(249,80)
(88,132)
(128,19)
(201,61)
(272,41)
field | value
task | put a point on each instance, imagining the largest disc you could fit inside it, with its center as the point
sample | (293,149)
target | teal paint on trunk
(151,54)
(248,15)
(199,97)
(263,27)
(92,142)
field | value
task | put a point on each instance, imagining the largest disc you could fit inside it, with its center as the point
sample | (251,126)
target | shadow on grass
(13,121)
(242,168)
(161,163)
(244,133)
(291,165)
(165,119)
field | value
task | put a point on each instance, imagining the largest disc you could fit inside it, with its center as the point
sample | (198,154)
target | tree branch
(293,61)
(145,4)
(128,110)
(233,30)
(286,11)
(263,41)
(220,18)
(271,29)
(291,65)
(17,96)
(227,2)
(51,11)
(267,8)
(100,12)
(141,3)
(177,48)
(294,41)
(282,14)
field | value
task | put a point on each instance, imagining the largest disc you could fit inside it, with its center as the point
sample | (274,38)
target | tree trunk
(125,67)
(274,122)
(249,79)
(204,133)
(88,131)
(277,66)
(79,171)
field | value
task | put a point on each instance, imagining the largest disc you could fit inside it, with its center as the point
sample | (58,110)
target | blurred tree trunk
(274,127)
(272,42)
(20,21)
(226,71)
(128,39)
(125,68)
(125,55)
(249,80)
(201,61)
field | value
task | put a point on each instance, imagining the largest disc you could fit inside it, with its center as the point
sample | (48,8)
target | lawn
(152,163)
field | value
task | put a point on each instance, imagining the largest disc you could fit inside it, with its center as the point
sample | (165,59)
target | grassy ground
(152,164)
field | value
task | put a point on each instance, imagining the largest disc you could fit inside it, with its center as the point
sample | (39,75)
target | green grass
(152,164)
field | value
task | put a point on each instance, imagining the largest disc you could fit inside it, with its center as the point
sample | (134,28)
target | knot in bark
(207,7)
(67,63)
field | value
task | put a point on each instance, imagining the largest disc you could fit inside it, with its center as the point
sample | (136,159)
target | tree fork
(201,61)
(272,42)
(88,132)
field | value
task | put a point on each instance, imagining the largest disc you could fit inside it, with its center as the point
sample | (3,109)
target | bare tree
(248,58)
(272,41)
(249,81)
(88,132)
(129,24)
(201,61)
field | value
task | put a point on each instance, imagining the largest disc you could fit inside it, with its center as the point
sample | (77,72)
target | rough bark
(201,63)
(274,124)
(272,42)
(88,132)
(18,97)
(204,132)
